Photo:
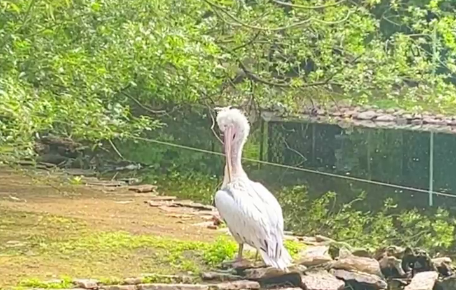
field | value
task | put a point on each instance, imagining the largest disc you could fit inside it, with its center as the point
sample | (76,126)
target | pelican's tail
(282,260)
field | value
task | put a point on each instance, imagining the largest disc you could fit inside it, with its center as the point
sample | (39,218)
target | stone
(430,120)
(321,112)
(369,115)
(407,116)
(423,281)
(416,122)
(142,188)
(397,284)
(163,198)
(186,279)
(360,264)
(373,281)
(118,287)
(162,286)
(133,281)
(314,255)
(390,110)
(86,283)
(443,266)
(385,118)
(440,116)
(220,276)
(360,252)
(390,262)
(349,114)
(242,284)
(336,114)
(269,272)
(321,280)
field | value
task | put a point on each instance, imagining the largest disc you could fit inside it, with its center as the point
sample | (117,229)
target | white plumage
(251,212)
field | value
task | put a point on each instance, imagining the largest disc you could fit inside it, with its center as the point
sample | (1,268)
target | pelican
(251,212)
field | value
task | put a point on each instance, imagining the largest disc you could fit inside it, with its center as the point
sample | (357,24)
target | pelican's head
(233,124)
(235,128)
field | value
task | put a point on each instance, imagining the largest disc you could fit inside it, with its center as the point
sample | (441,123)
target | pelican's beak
(228,138)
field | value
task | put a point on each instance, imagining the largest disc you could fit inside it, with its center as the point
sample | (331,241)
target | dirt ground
(46,225)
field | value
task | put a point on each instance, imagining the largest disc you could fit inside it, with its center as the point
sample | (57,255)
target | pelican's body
(251,212)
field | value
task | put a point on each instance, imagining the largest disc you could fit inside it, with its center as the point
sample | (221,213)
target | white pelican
(252,214)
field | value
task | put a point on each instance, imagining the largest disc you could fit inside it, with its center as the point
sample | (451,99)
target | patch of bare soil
(37,210)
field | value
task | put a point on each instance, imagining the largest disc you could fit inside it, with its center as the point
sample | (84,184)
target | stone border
(371,117)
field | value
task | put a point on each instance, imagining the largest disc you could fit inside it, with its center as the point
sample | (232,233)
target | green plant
(368,229)
(63,283)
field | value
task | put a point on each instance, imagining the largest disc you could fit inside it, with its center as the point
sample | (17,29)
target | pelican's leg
(256,256)
(239,256)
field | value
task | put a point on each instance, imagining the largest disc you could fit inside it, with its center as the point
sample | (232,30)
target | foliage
(94,69)
(365,228)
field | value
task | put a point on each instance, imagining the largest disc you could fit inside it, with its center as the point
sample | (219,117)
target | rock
(242,284)
(360,252)
(220,276)
(447,283)
(163,198)
(390,110)
(86,283)
(336,114)
(161,286)
(440,116)
(369,115)
(386,118)
(416,122)
(118,287)
(322,280)
(422,262)
(423,281)
(380,111)
(284,280)
(264,273)
(192,204)
(401,121)
(142,188)
(397,284)
(443,266)
(314,255)
(361,264)
(349,114)
(344,253)
(358,278)
(408,116)
(152,277)
(321,112)
(391,267)
(133,281)
(434,121)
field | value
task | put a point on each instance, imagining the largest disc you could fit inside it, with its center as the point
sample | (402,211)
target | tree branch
(307,7)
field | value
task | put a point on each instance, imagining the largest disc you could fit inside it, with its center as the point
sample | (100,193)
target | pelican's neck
(236,155)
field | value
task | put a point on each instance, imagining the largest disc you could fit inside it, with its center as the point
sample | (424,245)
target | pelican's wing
(248,219)
(271,201)
(275,215)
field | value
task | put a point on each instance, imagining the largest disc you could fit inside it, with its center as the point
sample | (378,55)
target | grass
(49,244)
